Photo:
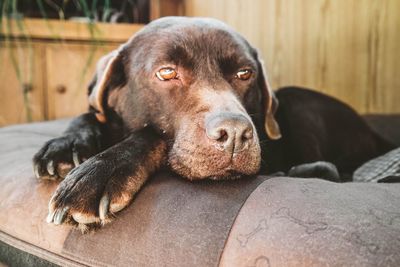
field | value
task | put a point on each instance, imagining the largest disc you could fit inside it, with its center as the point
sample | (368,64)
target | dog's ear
(110,74)
(269,102)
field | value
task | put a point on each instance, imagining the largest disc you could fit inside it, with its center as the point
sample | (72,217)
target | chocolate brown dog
(191,94)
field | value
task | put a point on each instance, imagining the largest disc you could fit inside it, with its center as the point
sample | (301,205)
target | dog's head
(201,85)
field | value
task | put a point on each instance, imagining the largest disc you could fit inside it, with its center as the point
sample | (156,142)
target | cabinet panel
(70,68)
(21,86)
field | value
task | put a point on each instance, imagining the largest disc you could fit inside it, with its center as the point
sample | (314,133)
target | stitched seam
(265,178)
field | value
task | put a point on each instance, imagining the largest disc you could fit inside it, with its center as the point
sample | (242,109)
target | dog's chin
(228,175)
(214,167)
(224,174)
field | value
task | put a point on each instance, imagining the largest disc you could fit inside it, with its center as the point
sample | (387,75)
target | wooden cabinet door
(21,82)
(70,68)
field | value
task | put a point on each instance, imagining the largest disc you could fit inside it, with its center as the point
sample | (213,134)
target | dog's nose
(232,132)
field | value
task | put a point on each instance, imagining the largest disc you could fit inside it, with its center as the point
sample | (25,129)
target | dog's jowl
(189,94)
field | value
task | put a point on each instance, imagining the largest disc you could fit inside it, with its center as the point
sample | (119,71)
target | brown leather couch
(263,221)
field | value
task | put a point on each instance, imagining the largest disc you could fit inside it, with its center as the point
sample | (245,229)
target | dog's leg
(319,169)
(82,139)
(107,182)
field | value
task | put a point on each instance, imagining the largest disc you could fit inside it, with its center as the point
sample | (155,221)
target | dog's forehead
(166,38)
(185,25)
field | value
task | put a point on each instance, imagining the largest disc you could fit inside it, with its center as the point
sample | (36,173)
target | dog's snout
(231,132)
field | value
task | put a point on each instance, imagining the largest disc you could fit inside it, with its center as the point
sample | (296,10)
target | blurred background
(349,49)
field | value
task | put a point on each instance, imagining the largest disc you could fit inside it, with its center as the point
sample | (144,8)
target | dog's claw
(103,207)
(60,215)
(36,170)
(50,216)
(75,158)
(50,168)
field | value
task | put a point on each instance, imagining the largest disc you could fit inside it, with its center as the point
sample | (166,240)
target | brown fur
(208,123)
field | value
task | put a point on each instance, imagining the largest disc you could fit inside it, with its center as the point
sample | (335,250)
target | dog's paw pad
(83,218)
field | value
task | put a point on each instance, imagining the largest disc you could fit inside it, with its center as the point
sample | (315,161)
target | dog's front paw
(58,156)
(91,193)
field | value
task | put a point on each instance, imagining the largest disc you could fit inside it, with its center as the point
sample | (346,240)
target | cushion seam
(234,220)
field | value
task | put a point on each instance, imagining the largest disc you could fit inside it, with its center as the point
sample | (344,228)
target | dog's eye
(166,74)
(243,74)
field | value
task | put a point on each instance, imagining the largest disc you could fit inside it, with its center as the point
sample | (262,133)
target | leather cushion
(311,222)
(283,221)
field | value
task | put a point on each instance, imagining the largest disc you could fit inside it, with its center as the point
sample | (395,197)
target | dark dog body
(316,127)
(191,94)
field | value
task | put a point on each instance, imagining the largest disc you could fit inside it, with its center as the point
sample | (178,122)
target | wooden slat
(21,66)
(345,48)
(163,8)
(69,30)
